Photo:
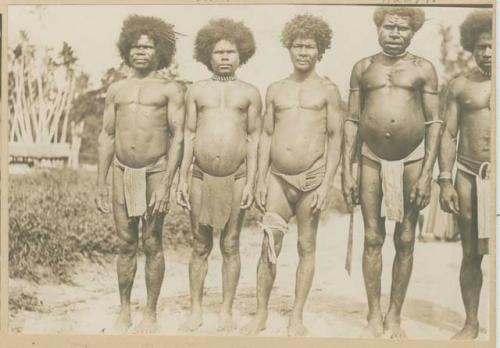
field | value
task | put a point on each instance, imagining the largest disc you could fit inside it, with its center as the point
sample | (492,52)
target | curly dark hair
(417,15)
(160,32)
(223,29)
(307,26)
(476,23)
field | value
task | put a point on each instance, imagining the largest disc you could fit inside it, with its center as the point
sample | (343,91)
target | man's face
(395,34)
(225,58)
(482,51)
(304,54)
(143,54)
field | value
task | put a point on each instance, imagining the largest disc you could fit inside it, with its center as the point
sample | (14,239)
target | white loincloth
(391,173)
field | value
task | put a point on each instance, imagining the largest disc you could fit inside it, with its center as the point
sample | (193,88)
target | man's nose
(488,52)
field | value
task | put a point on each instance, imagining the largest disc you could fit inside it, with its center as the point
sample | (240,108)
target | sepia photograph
(251,170)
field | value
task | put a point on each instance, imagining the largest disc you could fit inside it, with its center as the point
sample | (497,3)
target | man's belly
(475,136)
(220,145)
(137,149)
(392,130)
(297,144)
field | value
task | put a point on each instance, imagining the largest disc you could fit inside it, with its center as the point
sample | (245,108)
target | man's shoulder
(457,83)
(276,85)
(362,64)
(248,87)
(420,61)
(116,86)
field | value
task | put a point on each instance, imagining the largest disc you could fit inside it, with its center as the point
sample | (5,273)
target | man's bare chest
(141,95)
(400,75)
(475,96)
(295,97)
(221,97)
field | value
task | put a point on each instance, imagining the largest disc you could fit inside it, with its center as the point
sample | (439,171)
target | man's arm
(106,148)
(265,147)
(334,120)
(420,194)
(430,100)
(176,114)
(334,123)
(189,137)
(254,126)
(351,137)
(447,151)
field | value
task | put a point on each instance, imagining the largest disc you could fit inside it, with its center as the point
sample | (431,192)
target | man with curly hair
(394,120)
(300,148)
(141,139)
(468,111)
(222,130)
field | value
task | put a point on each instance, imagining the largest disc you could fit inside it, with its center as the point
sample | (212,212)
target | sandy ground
(336,306)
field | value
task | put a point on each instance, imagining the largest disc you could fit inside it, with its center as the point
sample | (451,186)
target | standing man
(300,144)
(141,138)
(222,130)
(393,103)
(468,111)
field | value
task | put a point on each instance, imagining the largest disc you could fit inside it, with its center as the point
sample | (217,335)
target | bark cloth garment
(481,173)
(391,173)
(134,184)
(305,181)
(217,195)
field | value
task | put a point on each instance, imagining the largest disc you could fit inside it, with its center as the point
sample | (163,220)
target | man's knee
(128,245)
(404,242)
(306,247)
(202,246)
(152,246)
(274,227)
(374,237)
(229,246)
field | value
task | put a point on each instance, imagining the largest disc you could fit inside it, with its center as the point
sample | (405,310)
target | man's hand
(350,190)
(102,199)
(183,195)
(319,199)
(261,195)
(448,198)
(247,197)
(421,192)
(159,200)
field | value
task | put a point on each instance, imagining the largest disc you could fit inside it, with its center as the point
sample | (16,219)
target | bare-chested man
(468,111)
(300,144)
(222,130)
(393,103)
(141,139)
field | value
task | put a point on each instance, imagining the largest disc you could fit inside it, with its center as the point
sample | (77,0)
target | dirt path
(336,305)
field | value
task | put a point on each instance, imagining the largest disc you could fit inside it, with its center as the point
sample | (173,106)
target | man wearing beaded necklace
(468,111)
(222,130)
(393,103)
(299,153)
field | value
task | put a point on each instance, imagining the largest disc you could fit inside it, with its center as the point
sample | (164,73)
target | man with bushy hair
(393,119)
(141,140)
(223,124)
(299,152)
(468,112)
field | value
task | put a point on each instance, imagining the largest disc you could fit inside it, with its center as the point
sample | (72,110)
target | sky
(93,30)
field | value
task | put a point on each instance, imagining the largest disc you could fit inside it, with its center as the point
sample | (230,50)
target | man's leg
(231,263)
(371,200)
(277,202)
(307,226)
(126,265)
(471,275)
(404,241)
(198,264)
(152,233)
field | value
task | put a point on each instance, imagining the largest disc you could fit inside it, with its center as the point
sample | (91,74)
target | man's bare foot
(147,325)
(193,323)
(226,323)
(468,332)
(123,322)
(256,325)
(393,326)
(375,327)
(296,327)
